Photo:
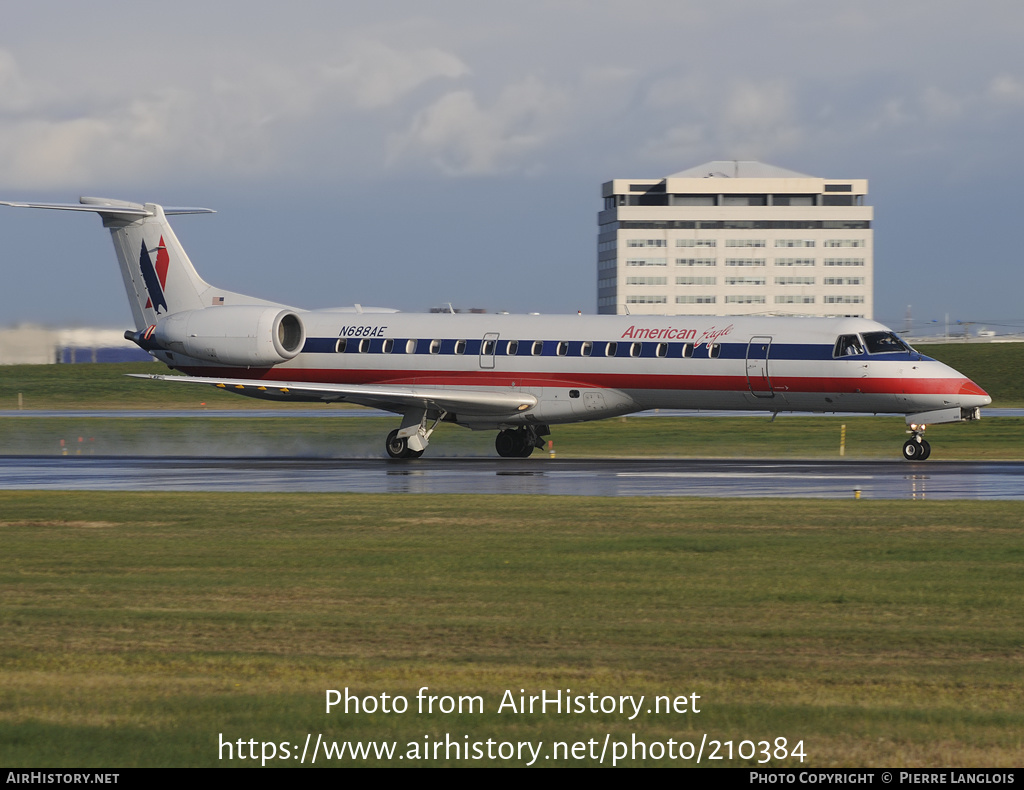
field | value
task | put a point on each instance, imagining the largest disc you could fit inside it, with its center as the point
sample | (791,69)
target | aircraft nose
(971,395)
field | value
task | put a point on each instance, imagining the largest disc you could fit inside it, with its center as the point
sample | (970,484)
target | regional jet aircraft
(517,375)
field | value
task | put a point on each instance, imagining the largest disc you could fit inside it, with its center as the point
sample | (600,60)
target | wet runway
(535,476)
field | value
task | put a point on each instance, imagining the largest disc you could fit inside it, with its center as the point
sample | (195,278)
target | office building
(735,238)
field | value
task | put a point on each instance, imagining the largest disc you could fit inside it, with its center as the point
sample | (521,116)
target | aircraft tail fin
(158,275)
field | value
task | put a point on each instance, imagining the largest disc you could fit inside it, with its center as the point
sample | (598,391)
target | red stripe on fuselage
(620,381)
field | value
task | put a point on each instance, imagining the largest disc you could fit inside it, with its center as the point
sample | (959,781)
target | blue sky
(409,154)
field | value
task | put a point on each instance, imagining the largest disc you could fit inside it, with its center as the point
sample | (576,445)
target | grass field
(139,628)
(142,629)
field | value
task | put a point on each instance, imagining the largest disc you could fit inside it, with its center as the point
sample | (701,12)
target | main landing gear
(916,448)
(519,442)
(412,437)
(398,446)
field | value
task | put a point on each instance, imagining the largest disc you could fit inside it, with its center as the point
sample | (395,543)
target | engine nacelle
(251,336)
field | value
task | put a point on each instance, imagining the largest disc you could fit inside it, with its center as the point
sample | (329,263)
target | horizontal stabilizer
(109,207)
(396,398)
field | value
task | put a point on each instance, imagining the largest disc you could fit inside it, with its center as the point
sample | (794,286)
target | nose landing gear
(916,448)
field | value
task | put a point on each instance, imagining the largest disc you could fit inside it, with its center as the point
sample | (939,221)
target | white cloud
(1006,89)
(378,76)
(462,137)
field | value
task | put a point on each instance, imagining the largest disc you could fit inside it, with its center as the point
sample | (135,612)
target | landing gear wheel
(525,451)
(399,447)
(508,444)
(926,450)
(914,450)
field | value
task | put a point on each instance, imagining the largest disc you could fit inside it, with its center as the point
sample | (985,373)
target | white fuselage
(589,367)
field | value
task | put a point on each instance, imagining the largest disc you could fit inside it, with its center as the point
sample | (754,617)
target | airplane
(514,374)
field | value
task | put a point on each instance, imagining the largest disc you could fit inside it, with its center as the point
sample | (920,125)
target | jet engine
(252,336)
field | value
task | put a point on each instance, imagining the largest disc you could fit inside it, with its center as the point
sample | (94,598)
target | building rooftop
(738,168)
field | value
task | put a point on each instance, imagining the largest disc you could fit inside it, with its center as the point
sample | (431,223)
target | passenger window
(586,348)
(364,345)
(635,349)
(488,347)
(339,347)
(662,350)
(687,350)
(389,345)
(715,350)
(538,347)
(410,346)
(610,349)
(563,348)
(435,346)
(513,348)
(460,346)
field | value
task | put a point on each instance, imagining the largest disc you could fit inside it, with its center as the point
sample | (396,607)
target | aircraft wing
(390,397)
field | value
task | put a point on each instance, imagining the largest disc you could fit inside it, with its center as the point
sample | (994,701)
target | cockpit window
(884,343)
(848,346)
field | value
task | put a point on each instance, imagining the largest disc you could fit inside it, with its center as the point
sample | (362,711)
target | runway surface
(534,476)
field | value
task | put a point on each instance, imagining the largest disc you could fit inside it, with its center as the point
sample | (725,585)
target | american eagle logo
(155,277)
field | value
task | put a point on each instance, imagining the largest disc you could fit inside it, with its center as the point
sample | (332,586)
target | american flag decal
(217,300)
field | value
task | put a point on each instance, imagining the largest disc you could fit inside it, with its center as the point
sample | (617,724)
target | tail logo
(155,277)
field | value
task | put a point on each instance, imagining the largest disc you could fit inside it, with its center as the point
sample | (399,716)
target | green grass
(139,627)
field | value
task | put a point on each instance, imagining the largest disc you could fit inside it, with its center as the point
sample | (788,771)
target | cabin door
(758,380)
(488,347)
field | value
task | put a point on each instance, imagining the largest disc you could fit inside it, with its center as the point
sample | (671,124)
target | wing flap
(395,398)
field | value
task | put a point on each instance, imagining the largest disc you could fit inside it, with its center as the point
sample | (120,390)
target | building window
(844,243)
(646,281)
(744,242)
(646,300)
(794,242)
(794,299)
(646,243)
(695,299)
(696,280)
(745,299)
(843,300)
(843,281)
(696,243)
(745,280)
(794,281)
